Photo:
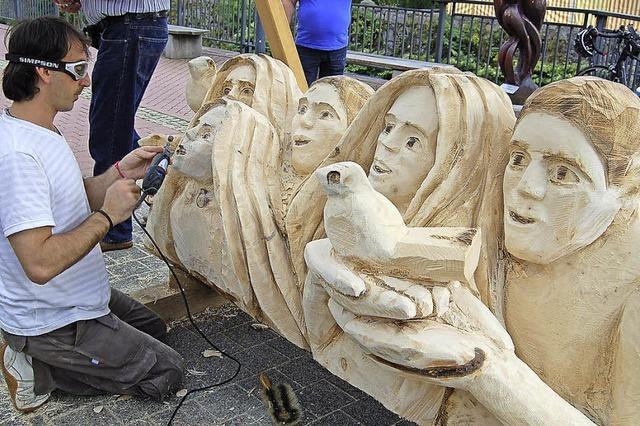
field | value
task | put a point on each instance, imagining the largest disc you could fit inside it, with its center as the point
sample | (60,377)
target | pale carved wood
(474,122)
(570,221)
(220,213)
(202,71)
(414,316)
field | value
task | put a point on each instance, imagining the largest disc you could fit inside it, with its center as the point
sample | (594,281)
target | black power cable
(186,305)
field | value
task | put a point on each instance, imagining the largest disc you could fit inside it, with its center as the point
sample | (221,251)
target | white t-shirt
(41,185)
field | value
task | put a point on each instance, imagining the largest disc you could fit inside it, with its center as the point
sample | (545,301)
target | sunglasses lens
(81,69)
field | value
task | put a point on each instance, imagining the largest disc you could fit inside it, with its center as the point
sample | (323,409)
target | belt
(136,16)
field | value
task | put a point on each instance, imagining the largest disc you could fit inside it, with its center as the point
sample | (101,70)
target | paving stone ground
(324,398)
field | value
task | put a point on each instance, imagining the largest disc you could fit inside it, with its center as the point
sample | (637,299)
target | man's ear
(44,74)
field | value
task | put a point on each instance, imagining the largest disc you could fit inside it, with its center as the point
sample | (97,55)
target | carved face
(406,146)
(193,155)
(240,84)
(556,199)
(317,127)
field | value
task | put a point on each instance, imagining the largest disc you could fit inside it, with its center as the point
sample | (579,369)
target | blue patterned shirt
(96,10)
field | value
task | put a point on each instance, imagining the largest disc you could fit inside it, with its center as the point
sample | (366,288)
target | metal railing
(20,9)
(445,34)
(449,35)
(231,23)
(26,8)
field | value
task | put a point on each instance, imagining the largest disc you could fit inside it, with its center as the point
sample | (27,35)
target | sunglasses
(76,70)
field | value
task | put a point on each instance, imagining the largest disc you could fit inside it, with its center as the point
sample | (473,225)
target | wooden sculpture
(571,305)
(202,71)
(428,139)
(261,82)
(464,126)
(324,113)
(219,219)
(220,213)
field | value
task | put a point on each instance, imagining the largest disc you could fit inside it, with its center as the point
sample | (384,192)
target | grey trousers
(119,353)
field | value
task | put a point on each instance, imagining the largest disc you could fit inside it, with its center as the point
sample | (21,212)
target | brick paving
(324,398)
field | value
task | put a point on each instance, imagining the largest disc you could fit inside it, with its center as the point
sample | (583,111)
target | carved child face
(317,127)
(193,155)
(556,199)
(240,84)
(406,146)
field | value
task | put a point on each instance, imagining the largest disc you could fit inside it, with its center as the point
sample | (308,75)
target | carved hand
(448,347)
(417,327)
(446,337)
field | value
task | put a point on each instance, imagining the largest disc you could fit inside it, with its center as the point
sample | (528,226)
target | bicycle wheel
(598,71)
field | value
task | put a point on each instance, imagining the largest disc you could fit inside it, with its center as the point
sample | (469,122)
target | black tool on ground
(281,401)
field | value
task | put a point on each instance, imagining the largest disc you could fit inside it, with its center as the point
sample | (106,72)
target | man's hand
(120,199)
(69,6)
(135,164)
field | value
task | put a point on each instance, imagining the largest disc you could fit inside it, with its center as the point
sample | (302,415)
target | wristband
(117,166)
(107,216)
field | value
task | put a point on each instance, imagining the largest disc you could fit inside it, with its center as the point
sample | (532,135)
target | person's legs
(137,315)
(152,36)
(103,355)
(333,63)
(128,54)
(310,60)
(112,109)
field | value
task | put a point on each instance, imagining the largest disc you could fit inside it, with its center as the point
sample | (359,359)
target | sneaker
(115,246)
(18,374)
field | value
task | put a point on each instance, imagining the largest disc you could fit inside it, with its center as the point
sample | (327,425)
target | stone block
(184,42)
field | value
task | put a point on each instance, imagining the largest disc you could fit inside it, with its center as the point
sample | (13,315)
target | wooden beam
(165,299)
(276,28)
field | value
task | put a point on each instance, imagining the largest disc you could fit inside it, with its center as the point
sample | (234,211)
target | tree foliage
(414,4)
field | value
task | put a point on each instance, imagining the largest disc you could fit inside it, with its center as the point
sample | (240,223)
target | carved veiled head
(192,156)
(261,82)
(240,84)
(236,80)
(573,165)
(474,120)
(423,138)
(406,146)
(324,113)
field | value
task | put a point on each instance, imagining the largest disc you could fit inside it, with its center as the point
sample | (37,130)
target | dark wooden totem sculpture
(522,20)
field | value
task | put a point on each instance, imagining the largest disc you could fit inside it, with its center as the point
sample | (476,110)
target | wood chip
(211,352)
(181,393)
(196,372)
(98,409)
(258,326)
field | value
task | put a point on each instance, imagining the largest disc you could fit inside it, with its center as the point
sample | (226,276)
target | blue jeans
(129,51)
(321,63)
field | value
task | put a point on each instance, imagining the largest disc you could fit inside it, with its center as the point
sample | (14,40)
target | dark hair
(47,38)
